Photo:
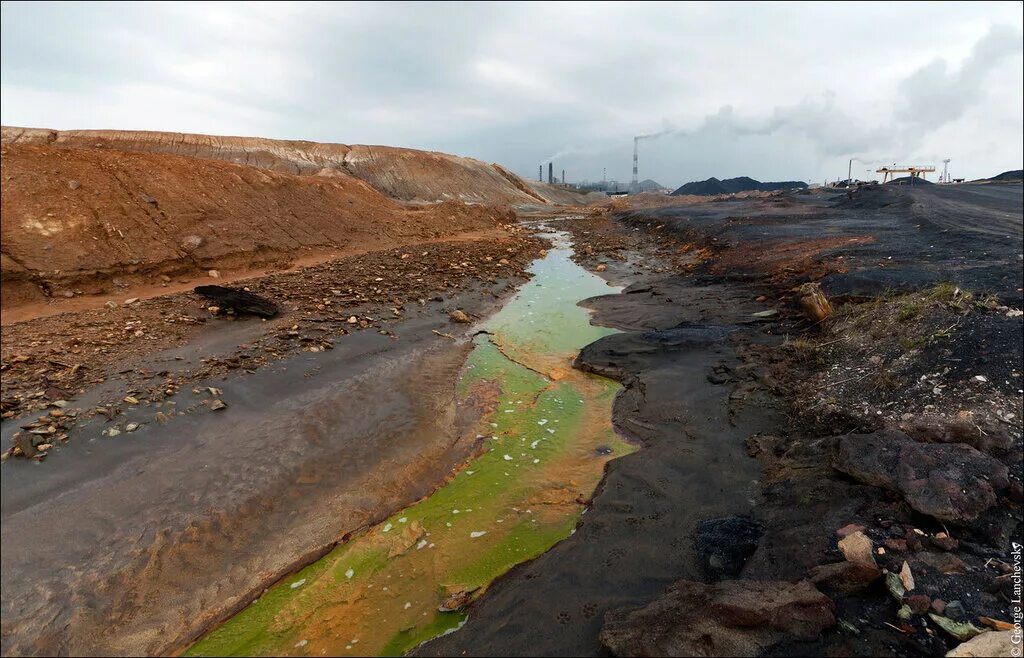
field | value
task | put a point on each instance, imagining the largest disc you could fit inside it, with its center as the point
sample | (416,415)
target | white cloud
(775,91)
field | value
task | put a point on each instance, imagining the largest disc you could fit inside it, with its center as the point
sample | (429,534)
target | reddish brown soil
(399,173)
(60,357)
(91,221)
(784,259)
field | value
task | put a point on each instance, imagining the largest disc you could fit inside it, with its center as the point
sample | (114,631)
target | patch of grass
(910,310)
(803,351)
(913,343)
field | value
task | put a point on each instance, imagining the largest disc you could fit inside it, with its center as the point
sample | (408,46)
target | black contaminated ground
(703,398)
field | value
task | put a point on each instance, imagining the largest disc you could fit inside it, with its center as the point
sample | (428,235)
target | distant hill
(714,186)
(1012,176)
(648,185)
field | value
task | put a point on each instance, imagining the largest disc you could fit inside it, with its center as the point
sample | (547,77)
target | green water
(547,440)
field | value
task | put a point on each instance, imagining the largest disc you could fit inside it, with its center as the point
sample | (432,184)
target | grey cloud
(523,83)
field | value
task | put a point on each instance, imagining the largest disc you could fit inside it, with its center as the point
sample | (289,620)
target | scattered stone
(950,482)
(944,542)
(857,547)
(906,577)
(997,624)
(962,631)
(216,405)
(131,300)
(895,586)
(456,601)
(601,268)
(131,427)
(770,313)
(896,544)
(459,316)
(729,618)
(918,603)
(845,577)
(995,643)
(131,400)
(849,529)
(74,185)
(814,303)
(214,274)
(938,606)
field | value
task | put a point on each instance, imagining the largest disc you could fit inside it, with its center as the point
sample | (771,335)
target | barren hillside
(83,220)
(405,174)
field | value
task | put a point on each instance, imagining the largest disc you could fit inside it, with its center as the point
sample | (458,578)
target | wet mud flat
(136,543)
(727,533)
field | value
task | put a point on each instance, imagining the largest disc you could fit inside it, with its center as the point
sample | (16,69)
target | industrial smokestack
(563,177)
(636,143)
(540,173)
(551,173)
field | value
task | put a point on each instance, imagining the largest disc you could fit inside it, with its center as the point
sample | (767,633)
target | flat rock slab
(951,482)
(729,618)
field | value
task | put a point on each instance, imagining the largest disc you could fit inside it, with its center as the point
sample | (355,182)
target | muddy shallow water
(544,443)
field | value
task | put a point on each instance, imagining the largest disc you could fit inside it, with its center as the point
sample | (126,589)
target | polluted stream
(545,441)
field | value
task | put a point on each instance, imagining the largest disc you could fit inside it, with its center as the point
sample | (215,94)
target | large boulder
(728,618)
(951,482)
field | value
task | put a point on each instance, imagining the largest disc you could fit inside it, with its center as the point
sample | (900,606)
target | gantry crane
(913,170)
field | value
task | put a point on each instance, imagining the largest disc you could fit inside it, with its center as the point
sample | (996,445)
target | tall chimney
(563,177)
(540,173)
(551,173)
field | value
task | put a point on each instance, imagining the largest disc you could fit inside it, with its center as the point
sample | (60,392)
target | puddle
(546,439)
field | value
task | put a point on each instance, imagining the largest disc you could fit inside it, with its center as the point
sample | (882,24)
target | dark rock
(239,301)
(1016,492)
(845,577)
(944,542)
(918,603)
(955,611)
(984,434)
(725,543)
(946,563)
(729,618)
(950,482)
(849,529)
(897,545)
(938,606)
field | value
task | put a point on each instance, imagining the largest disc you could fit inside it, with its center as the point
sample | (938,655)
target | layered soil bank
(399,173)
(85,221)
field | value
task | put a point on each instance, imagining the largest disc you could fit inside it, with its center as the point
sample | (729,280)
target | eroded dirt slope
(401,173)
(85,220)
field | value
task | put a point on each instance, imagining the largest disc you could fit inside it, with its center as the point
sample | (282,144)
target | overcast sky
(773,91)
